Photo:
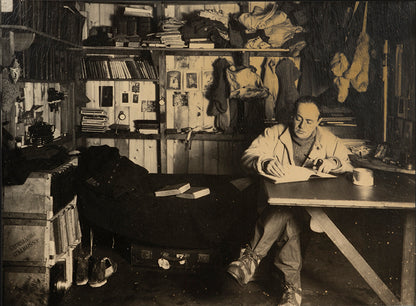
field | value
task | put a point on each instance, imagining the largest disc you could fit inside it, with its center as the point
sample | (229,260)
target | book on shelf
(148,131)
(201,45)
(194,193)
(297,174)
(93,111)
(139,11)
(174,189)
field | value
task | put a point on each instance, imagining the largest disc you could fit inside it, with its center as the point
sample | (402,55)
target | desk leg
(353,256)
(408,260)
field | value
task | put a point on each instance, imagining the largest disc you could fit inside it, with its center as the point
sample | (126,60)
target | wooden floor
(327,277)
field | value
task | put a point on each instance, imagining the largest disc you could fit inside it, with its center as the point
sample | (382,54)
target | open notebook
(297,174)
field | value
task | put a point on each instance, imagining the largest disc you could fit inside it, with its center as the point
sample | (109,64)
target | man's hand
(273,167)
(325,165)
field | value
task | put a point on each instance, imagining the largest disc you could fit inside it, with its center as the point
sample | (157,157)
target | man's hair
(307,99)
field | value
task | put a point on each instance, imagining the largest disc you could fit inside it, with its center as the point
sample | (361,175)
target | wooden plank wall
(142,152)
(133,111)
(205,156)
(36,93)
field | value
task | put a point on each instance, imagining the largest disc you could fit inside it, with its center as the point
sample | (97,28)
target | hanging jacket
(276,143)
(287,73)
(245,83)
(271,82)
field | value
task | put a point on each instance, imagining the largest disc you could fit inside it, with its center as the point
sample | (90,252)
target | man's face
(306,120)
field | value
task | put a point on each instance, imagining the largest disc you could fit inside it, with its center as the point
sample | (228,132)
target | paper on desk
(297,174)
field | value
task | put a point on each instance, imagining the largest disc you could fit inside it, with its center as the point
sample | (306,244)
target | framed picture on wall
(191,81)
(174,80)
(180,99)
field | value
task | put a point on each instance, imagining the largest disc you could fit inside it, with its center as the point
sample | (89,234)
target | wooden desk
(390,191)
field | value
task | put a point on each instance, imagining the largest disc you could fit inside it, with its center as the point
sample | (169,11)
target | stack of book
(172,39)
(201,43)
(170,34)
(93,120)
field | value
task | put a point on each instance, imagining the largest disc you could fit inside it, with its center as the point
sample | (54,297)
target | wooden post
(385,88)
(408,260)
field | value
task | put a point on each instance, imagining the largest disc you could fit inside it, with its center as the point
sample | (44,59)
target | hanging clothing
(271,82)
(287,73)
(245,83)
(358,72)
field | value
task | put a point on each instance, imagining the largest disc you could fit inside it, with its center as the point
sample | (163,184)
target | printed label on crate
(24,243)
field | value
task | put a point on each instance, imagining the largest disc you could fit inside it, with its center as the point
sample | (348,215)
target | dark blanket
(117,195)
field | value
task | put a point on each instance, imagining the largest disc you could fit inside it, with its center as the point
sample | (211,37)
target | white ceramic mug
(363,177)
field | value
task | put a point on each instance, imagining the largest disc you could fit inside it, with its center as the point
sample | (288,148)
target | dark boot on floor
(97,275)
(292,296)
(81,269)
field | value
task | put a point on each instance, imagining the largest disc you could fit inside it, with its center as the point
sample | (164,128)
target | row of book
(46,62)
(94,120)
(66,229)
(117,68)
(51,17)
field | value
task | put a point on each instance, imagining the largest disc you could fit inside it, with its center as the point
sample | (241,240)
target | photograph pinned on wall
(181,62)
(125,97)
(148,106)
(191,81)
(207,80)
(180,99)
(135,88)
(174,80)
(106,96)
(135,98)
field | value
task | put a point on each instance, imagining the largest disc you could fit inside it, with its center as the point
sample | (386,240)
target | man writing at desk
(301,143)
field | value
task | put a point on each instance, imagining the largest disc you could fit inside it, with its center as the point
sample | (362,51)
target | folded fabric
(257,43)
(279,34)
(262,18)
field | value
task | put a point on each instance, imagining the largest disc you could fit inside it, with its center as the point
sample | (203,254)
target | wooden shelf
(41,34)
(119,135)
(211,136)
(126,80)
(130,50)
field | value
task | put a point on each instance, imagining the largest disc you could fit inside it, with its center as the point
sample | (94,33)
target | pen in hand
(316,163)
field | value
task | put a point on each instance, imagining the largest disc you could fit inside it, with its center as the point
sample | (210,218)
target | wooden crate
(26,285)
(37,242)
(26,241)
(32,285)
(39,197)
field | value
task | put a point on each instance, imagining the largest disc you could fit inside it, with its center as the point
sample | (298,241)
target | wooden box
(26,285)
(37,242)
(26,241)
(32,285)
(43,194)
